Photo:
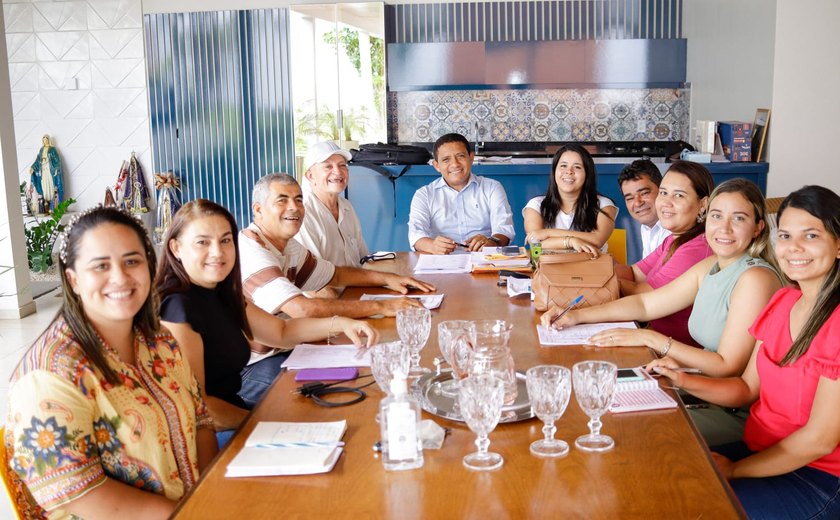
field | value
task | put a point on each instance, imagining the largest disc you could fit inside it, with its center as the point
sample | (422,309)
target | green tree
(349,41)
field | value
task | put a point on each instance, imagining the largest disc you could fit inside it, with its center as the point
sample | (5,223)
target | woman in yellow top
(105,417)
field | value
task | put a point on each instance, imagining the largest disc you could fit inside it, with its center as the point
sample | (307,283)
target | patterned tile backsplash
(641,114)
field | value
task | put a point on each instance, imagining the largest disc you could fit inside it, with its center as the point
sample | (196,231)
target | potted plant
(41,237)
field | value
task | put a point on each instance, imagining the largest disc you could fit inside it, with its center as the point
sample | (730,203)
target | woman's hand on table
(627,338)
(666,367)
(359,332)
(568,320)
(582,246)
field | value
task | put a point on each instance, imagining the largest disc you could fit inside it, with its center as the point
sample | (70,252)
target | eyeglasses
(378,256)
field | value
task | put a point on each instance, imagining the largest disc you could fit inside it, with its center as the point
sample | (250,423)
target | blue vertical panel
(434,23)
(220,101)
(536,20)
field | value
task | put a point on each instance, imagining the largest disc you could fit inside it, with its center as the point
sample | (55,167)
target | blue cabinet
(382,202)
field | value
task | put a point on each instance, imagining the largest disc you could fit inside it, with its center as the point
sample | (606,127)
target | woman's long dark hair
(586,208)
(72,309)
(823,204)
(172,278)
(703,184)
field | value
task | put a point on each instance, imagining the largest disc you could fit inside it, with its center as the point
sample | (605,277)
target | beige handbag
(563,276)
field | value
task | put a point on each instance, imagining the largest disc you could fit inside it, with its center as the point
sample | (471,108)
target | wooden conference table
(659,467)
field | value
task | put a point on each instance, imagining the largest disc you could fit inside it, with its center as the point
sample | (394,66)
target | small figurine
(131,186)
(47,176)
(109,198)
(31,200)
(168,202)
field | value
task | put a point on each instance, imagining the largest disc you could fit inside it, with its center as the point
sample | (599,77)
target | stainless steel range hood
(645,63)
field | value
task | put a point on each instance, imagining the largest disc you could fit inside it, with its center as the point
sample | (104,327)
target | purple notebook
(326,374)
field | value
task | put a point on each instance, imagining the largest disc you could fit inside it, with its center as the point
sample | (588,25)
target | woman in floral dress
(105,416)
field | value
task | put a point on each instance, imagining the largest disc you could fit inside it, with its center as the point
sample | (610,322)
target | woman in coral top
(788,465)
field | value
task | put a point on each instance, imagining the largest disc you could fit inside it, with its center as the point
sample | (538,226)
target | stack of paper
(285,448)
(442,264)
(578,334)
(326,356)
(490,259)
(429,301)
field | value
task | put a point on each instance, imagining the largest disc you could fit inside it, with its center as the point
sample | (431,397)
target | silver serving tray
(427,391)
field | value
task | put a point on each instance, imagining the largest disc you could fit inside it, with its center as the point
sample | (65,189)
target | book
(289,448)
(638,391)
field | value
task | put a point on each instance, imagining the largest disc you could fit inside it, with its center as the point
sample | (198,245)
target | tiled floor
(15,337)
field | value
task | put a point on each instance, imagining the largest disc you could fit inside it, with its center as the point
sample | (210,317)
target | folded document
(287,448)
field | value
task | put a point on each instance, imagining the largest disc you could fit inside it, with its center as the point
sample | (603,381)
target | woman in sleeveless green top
(726,289)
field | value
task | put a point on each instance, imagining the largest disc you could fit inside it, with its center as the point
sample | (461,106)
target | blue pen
(569,307)
(300,444)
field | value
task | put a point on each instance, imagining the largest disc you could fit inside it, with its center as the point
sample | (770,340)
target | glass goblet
(594,384)
(549,387)
(387,359)
(413,327)
(480,400)
(455,338)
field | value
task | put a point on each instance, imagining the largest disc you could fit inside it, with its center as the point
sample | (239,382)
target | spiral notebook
(289,448)
(637,391)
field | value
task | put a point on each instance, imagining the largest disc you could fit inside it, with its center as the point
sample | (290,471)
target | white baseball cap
(322,151)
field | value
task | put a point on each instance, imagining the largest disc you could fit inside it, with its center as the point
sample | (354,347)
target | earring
(700,218)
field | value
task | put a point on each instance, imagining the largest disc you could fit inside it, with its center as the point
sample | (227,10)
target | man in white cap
(331,229)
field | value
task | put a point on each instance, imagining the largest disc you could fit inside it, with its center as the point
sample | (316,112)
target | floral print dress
(68,429)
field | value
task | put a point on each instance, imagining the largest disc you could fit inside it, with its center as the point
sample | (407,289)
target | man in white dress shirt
(331,229)
(459,209)
(639,184)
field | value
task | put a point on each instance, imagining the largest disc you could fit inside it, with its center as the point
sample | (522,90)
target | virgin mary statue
(46,175)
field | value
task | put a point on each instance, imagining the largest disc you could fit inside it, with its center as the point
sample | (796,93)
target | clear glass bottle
(399,421)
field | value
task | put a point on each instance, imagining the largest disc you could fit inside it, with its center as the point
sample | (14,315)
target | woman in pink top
(788,465)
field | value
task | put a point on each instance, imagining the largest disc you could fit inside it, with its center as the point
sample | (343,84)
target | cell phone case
(326,374)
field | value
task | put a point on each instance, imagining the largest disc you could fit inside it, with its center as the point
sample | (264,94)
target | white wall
(730,58)
(78,73)
(806,100)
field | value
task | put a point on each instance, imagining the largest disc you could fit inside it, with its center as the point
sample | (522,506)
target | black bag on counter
(381,153)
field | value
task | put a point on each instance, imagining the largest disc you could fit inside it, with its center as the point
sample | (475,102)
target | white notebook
(287,448)
(638,391)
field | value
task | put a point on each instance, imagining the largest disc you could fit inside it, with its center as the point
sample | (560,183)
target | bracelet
(666,347)
(566,243)
(330,330)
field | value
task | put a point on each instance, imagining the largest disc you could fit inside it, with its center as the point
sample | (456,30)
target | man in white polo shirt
(277,270)
(331,229)
(459,209)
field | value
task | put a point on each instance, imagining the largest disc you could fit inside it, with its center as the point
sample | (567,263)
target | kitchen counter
(382,197)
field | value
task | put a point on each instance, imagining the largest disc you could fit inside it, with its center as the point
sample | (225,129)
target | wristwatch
(494,239)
